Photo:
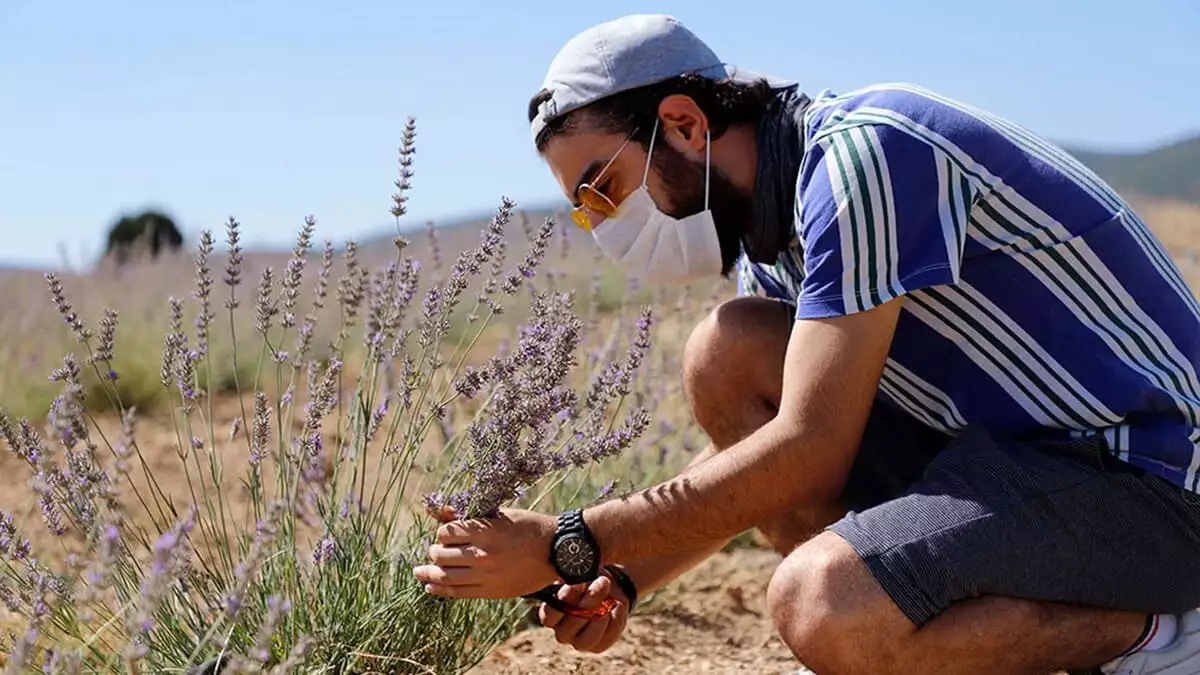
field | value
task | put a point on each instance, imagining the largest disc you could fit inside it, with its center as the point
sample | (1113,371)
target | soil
(711,620)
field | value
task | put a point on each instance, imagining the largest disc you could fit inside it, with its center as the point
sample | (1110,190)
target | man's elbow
(821,461)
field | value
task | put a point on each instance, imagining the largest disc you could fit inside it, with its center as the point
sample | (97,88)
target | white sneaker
(1181,657)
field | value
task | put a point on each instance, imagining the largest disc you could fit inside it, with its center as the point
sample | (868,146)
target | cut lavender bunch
(521,438)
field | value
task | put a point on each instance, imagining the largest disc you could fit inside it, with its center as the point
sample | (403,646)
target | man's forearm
(651,574)
(771,472)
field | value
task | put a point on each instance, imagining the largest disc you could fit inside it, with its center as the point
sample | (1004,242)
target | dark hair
(724,102)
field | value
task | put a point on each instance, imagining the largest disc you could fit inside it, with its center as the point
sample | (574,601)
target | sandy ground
(712,620)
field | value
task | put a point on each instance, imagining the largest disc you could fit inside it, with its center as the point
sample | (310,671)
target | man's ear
(683,124)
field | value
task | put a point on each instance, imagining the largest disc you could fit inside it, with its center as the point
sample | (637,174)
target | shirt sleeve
(884,212)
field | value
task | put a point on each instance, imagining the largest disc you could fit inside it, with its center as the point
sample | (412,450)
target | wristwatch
(574,553)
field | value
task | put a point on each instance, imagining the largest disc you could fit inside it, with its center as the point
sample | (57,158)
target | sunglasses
(592,199)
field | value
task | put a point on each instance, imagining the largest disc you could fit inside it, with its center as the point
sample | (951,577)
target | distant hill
(1171,172)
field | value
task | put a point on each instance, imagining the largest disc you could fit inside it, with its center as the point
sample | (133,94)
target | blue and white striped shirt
(1036,302)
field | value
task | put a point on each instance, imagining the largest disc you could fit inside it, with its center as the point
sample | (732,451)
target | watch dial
(574,555)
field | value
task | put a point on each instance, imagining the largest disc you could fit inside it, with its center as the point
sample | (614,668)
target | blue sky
(270,110)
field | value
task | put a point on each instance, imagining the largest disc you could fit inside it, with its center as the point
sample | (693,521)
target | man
(966,409)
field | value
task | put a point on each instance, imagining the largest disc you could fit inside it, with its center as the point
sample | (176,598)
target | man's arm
(651,574)
(801,458)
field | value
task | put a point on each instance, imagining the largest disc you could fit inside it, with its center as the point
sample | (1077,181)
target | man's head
(642,77)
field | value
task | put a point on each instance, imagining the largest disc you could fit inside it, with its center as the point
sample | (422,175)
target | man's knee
(734,357)
(802,595)
(829,611)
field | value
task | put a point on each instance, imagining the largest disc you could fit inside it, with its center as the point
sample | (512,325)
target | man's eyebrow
(589,172)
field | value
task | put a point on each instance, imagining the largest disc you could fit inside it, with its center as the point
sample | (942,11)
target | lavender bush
(315,412)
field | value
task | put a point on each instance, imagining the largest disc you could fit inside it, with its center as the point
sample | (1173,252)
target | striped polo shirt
(1036,302)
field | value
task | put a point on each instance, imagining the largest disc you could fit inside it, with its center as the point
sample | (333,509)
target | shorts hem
(893,575)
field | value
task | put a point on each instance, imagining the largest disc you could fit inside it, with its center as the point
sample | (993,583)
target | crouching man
(959,393)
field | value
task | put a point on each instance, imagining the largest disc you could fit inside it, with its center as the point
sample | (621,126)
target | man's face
(675,181)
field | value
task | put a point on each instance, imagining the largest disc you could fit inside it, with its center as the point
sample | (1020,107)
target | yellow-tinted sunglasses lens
(592,199)
(581,218)
(596,200)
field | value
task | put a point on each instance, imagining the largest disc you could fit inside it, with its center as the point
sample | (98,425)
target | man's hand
(588,635)
(503,557)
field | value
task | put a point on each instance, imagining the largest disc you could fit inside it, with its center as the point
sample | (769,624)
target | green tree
(149,233)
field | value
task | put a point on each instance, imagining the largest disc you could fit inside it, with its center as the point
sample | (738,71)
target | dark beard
(683,180)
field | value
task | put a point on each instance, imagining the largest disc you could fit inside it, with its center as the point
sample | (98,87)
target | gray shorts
(938,520)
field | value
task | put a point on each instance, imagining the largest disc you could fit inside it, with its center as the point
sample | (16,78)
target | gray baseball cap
(626,53)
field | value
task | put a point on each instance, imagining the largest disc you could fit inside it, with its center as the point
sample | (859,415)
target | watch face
(574,556)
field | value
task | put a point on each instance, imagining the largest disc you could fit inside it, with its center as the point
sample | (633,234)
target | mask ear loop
(707,163)
(649,152)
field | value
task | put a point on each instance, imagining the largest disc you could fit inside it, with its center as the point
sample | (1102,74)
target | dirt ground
(712,620)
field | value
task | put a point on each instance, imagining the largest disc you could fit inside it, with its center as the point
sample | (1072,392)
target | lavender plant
(291,540)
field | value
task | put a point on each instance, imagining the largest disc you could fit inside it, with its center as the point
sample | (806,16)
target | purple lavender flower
(13,546)
(233,266)
(22,649)
(294,274)
(265,307)
(203,292)
(325,550)
(515,445)
(537,251)
(377,417)
(607,489)
(106,546)
(104,345)
(403,183)
(260,434)
(435,250)
(64,662)
(68,314)
(351,286)
(171,557)
(260,548)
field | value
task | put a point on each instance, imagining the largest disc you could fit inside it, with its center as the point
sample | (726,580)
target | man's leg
(733,376)
(838,620)
(930,582)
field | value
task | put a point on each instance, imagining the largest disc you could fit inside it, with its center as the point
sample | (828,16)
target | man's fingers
(459,532)
(465,591)
(567,629)
(612,632)
(447,576)
(597,592)
(445,514)
(454,556)
(581,633)
(570,595)
(589,637)
(549,616)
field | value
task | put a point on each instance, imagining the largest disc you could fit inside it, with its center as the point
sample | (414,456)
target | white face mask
(652,245)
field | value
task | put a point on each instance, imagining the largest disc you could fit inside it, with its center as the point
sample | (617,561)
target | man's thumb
(444,514)
(597,592)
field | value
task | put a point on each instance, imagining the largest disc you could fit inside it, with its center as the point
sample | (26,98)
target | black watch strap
(572,523)
(627,586)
